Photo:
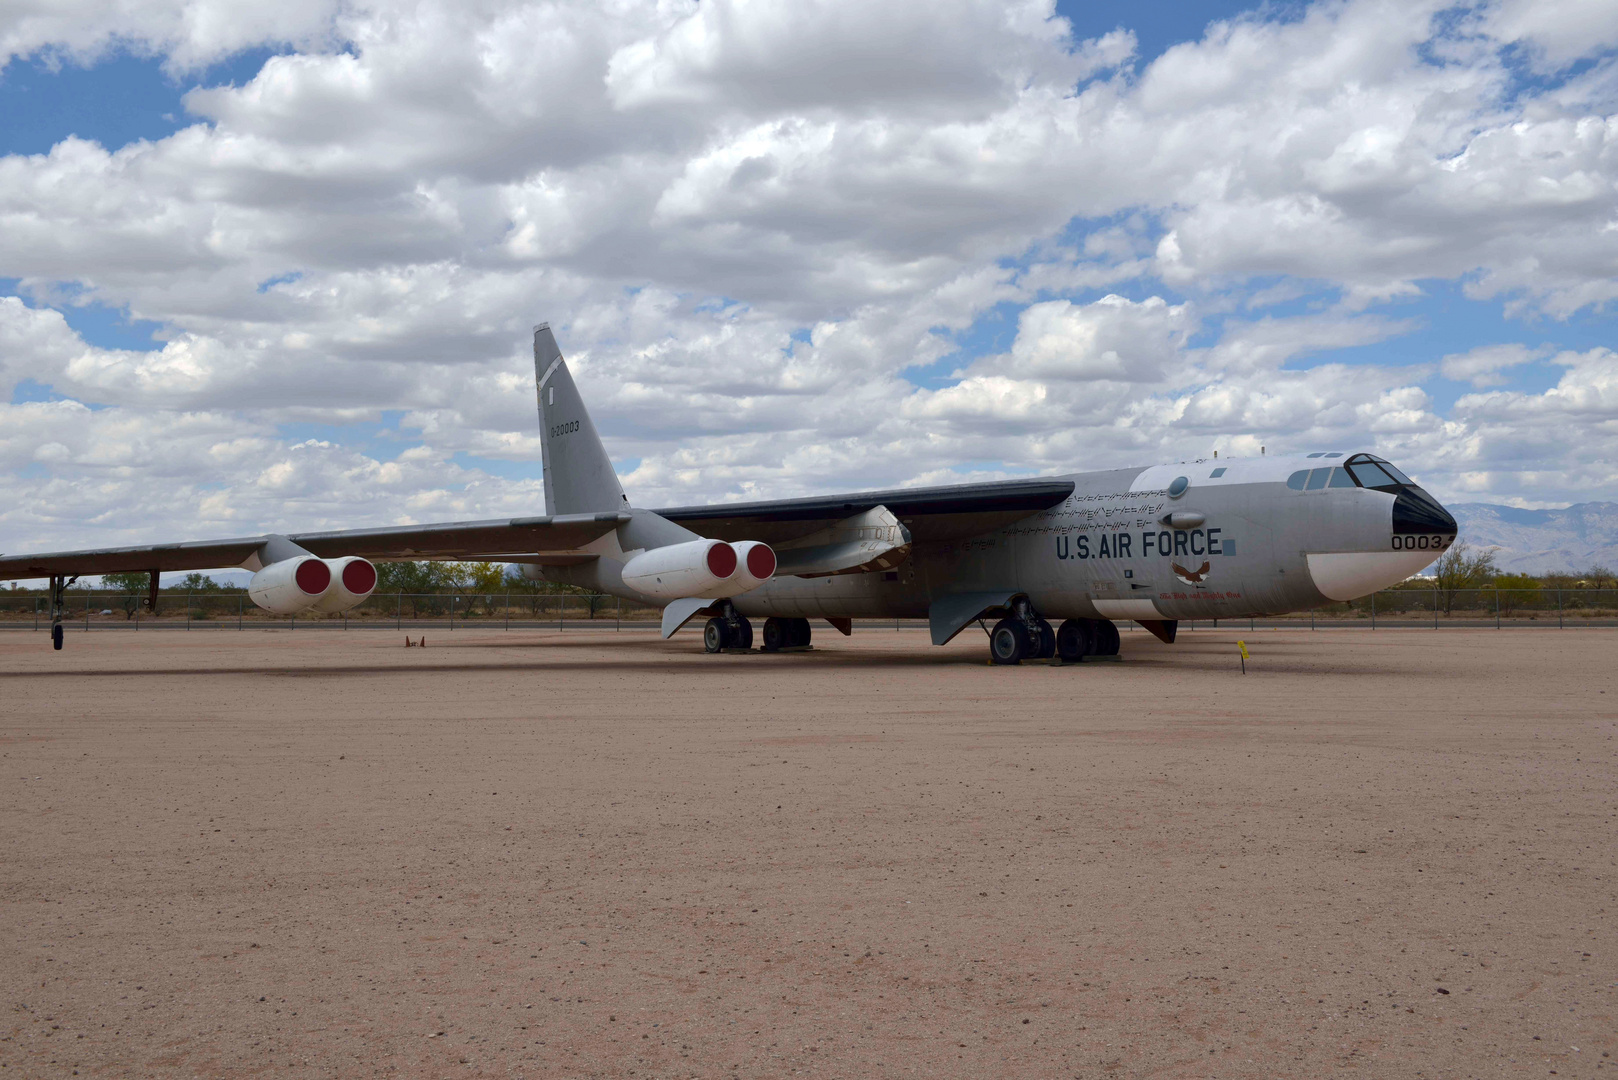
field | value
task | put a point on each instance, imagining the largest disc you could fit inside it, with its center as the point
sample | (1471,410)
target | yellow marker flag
(1242,645)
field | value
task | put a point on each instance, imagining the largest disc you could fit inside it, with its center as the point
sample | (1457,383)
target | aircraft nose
(1415,511)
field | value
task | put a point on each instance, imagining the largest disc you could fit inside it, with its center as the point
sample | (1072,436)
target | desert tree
(1460,568)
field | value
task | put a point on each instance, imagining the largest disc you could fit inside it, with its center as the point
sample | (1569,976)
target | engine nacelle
(695,568)
(708,569)
(352,580)
(291,585)
(757,564)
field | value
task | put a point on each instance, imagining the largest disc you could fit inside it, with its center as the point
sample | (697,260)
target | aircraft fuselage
(1233,540)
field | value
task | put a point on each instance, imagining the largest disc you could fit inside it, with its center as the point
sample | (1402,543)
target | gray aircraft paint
(1193,540)
(1269,529)
(1101,553)
(579,477)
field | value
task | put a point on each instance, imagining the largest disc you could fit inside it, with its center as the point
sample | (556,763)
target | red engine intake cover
(313,576)
(359,577)
(760,561)
(721,560)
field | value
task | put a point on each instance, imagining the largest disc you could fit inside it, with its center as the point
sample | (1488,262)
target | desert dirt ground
(1385,854)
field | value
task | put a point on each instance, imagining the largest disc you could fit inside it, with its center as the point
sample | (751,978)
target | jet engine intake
(291,585)
(352,580)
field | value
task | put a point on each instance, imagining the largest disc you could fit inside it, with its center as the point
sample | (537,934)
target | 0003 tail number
(1421,543)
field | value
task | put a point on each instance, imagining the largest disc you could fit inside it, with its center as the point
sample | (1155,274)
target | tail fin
(579,478)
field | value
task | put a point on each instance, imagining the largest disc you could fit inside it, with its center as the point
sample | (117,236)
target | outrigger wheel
(1106,637)
(59,584)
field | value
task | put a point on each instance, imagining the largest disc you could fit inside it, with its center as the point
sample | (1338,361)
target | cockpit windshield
(1361,470)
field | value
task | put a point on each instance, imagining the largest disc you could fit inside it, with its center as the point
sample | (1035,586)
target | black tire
(1047,641)
(1074,640)
(1107,641)
(800,631)
(777,634)
(715,636)
(741,635)
(1008,642)
(56,636)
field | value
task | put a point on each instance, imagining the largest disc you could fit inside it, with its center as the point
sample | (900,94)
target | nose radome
(1415,511)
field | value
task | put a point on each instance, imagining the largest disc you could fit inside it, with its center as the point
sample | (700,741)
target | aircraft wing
(536,539)
(941,513)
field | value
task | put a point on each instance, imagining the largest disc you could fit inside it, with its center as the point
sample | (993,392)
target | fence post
(1435,607)
(1497,608)
(36,613)
(238,612)
(87,599)
(618,613)
(452,600)
(561,609)
(1250,622)
(188,609)
(1559,608)
(1373,611)
(398,610)
(1311,618)
(508,611)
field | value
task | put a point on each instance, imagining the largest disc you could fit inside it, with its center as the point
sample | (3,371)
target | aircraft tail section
(579,477)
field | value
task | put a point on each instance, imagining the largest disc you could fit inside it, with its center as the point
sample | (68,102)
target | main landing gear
(1023,635)
(785,634)
(727,631)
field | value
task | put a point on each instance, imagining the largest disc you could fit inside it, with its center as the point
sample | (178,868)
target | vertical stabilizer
(579,478)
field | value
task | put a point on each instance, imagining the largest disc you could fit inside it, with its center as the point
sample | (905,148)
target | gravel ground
(596,854)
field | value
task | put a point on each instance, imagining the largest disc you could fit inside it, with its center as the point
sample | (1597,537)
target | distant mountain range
(1542,541)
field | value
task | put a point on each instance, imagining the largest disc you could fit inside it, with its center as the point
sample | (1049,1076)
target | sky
(277,268)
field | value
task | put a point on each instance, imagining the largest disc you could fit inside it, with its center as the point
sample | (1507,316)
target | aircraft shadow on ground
(656,656)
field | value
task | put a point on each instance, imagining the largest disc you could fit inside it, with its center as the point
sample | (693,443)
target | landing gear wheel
(56,636)
(1008,642)
(1074,640)
(777,634)
(799,631)
(1107,641)
(741,635)
(715,635)
(1047,641)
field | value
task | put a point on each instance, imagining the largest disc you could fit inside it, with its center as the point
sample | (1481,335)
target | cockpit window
(1361,470)
(1370,475)
(1396,474)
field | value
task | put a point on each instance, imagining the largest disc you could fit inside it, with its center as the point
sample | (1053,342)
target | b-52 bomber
(1213,539)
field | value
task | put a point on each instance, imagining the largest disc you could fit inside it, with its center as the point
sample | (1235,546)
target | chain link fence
(1405,607)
